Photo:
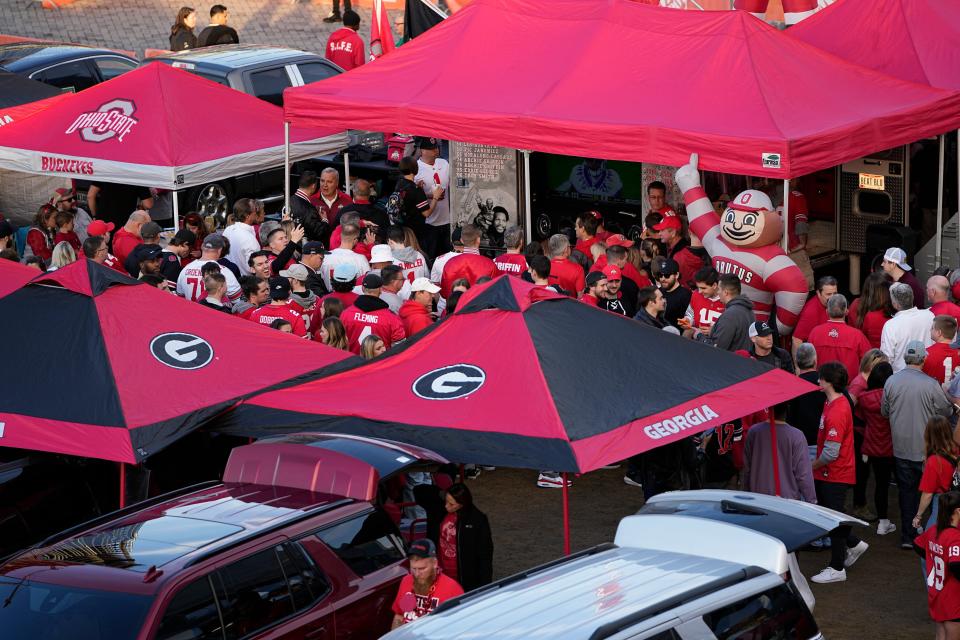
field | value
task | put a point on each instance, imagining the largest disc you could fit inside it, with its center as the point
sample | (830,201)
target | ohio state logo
(114,118)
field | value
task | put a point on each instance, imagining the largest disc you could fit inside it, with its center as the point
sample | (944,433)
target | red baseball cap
(669,222)
(99,227)
(612,272)
(619,240)
(666,212)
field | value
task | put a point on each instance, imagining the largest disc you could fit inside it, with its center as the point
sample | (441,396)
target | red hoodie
(345,48)
(415,317)
(470,265)
(371,315)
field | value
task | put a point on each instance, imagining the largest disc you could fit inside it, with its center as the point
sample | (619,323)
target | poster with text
(485,181)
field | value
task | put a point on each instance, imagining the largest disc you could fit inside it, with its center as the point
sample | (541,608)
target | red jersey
(703,311)
(567,275)
(411,605)
(123,244)
(583,246)
(114,264)
(797,224)
(270,312)
(937,474)
(345,48)
(70,238)
(512,264)
(812,315)
(836,425)
(946,308)
(941,361)
(316,317)
(370,315)
(469,265)
(943,590)
(841,342)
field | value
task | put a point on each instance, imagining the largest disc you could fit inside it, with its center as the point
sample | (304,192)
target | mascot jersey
(793,10)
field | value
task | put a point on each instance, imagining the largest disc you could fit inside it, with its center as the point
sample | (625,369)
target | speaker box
(871,191)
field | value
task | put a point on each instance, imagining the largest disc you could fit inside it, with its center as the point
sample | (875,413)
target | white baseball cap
(381,253)
(423,284)
(897,256)
(751,200)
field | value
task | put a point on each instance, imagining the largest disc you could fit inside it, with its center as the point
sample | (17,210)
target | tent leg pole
(286,169)
(786,215)
(527,197)
(123,485)
(774,452)
(939,257)
(346,173)
(176,211)
(566,515)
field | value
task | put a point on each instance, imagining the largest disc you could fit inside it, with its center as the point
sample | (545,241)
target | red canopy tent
(630,82)
(915,40)
(136,368)
(14,275)
(161,127)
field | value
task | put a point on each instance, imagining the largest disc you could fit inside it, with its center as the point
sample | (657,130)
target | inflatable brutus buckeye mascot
(745,242)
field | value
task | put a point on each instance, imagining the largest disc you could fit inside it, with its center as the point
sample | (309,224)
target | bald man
(128,236)
(938,293)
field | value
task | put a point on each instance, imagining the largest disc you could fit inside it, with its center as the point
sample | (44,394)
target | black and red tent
(522,377)
(97,364)
(14,275)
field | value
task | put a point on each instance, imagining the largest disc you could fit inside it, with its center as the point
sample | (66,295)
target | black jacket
(367,211)
(183,40)
(315,283)
(217,34)
(474,538)
(645,318)
(779,358)
(730,331)
(304,213)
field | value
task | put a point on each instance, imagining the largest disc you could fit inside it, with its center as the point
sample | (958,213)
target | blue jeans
(908,475)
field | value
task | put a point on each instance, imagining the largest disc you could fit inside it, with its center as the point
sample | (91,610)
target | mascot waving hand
(745,242)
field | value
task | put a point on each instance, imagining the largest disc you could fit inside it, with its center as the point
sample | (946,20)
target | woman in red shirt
(40,236)
(833,470)
(872,309)
(877,443)
(465,541)
(940,548)
(939,467)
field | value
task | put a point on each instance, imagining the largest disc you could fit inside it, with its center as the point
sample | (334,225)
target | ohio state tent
(158,126)
(627,81)
(916,40)
(522,377)
(97,364)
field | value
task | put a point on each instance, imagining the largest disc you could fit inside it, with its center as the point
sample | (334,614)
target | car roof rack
(453,602)
(737,576)
(214,549)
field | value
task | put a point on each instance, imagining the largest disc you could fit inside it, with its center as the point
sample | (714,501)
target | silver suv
(693,564)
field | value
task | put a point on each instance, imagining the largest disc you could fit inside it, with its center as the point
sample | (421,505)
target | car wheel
(635,233)
(212,200)
(543,226)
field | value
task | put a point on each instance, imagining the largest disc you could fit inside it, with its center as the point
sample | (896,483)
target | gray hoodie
(406,254)
(730,331)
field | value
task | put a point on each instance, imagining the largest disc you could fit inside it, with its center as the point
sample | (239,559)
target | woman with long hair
(873,308)
(371,347)
(939,467)
(62,255)
(877,442)
(181,33)
(940,548)
(194,223)
(41,233)
(859,384)
(333,334)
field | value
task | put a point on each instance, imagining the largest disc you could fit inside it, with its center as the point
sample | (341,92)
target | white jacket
(906,326)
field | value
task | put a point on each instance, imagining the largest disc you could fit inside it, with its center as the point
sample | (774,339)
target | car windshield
(38,610)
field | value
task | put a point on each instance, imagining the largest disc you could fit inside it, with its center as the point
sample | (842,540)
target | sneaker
(885,527)
(864,513)
(854,553)
(333,17)
(630,481)
(906,546)
(552,481)
(830,575)
(471,473)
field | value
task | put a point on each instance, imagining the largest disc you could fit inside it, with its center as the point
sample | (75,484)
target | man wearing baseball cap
(895,265)
(425,587)
(311,257)
(370,315)
(416,311)
(677,297)
(613,298)
(297,275)
(596,285)
(279,307)
(190,280)
(670,230)
(64,199)
(102,229)
(763,349)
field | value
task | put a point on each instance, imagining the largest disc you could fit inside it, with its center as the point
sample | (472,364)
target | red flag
(381,36)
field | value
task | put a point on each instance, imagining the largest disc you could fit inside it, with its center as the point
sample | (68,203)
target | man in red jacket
(128,237)
(344,47)
(564,272)
(469,264)
(370,315)
(415,312)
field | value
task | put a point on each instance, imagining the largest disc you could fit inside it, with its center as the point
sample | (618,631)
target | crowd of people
(366,271)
